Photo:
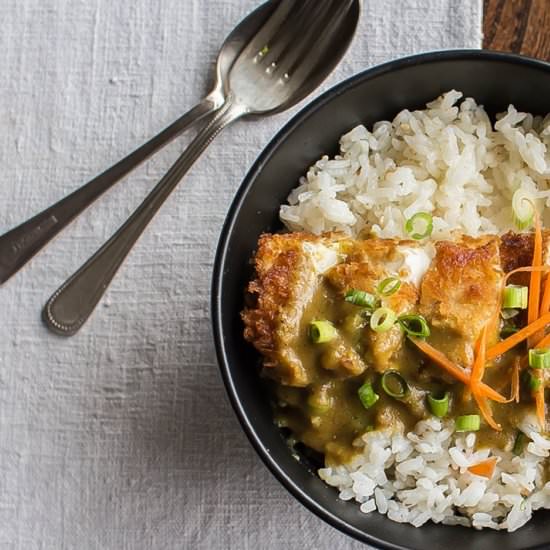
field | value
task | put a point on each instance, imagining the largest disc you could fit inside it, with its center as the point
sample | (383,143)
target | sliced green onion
(523,207)
(321,332)
(534,383)
(515,296)
(367,395)
(414,325)
(320,400)
(361,298)
(382,319)
(388,286)
(439,404)
(467,423)
(508,314)
(539,358)
(394,384)
(419,226)
(520,443)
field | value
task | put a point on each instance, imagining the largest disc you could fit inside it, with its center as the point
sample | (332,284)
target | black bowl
(494,80)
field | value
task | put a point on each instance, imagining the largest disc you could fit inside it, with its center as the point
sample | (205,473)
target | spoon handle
(20,244)
(71,305)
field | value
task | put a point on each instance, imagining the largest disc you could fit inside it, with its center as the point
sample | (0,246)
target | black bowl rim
(221,255)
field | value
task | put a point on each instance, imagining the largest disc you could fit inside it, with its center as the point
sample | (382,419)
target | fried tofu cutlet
(300,278)
(289,268)
(461,293)
(366,265)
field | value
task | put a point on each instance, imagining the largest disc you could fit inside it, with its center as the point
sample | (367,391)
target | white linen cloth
(122,437)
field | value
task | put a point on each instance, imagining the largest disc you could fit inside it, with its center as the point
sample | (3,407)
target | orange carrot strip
(544,343)
(478,367)
(508,343)
(441,359)
(533,309)
(474,379)
(545,303)
(454,370)
(485,468)
(527,269)
(514,390)
(485,410)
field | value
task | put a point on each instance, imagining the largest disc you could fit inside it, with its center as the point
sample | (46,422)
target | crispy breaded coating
(461,292)
(288,271)
(367,264)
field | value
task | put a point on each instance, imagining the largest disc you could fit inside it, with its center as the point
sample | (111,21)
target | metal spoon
(297,47)
(20,244)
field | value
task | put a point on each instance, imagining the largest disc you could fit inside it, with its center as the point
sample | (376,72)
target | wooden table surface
(519,26)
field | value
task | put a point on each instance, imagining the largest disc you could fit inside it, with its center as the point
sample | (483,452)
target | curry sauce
(302,279)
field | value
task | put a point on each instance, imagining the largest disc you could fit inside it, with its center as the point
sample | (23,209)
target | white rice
(423,476)
(448,160)
(451,161)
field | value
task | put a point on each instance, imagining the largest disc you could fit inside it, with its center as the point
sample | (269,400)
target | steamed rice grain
(448,159)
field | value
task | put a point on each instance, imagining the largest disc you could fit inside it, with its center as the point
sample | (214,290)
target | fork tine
(312,42)
(285,10)
(289,30)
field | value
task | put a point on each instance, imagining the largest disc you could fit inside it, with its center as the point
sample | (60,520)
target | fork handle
(71,305)
(20,244)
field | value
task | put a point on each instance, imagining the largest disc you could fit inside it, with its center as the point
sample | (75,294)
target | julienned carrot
(485,468)
(533,310)
(485,410)
(528,269)
(508,343)
(514,390)
(544,343)
(454,370)
(545,302)
(478,369)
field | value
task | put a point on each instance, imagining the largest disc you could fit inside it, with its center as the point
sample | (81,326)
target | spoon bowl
(278,69)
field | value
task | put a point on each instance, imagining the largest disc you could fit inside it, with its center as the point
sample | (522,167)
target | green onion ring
(321,332)
(468,423)
(382,319)
(425,219)
(523,207)
(360,298)
(539,358)
(439,404)
(394,384)
(515,296)
(367,395)
(414,325)
(388,286)
(508,314)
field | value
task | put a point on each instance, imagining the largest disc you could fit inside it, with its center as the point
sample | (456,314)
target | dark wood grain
(519,26)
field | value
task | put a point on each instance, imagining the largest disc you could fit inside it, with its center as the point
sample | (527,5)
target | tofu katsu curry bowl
(381,303)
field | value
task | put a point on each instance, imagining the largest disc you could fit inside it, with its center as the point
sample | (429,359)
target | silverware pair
(272,60)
